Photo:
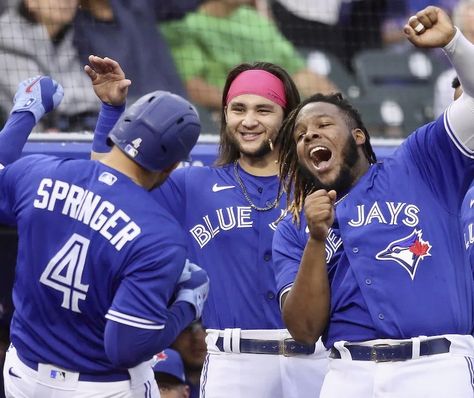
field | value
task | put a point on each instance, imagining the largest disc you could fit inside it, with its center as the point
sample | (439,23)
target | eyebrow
(258,106)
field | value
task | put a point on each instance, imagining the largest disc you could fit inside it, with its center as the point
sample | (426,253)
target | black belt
(287,347)
(393,352)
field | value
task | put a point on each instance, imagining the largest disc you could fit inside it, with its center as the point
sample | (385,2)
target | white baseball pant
(443,375)
(230,374)
(22,381)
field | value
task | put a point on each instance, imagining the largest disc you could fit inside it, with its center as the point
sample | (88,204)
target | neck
(261,167)
(117,160)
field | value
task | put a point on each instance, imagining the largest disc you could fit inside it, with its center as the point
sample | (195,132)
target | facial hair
(263,150)
(345,179)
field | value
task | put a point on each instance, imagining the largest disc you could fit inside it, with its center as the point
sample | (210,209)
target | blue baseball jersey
(87,252)
(230,240)
(467,220)
(395,256)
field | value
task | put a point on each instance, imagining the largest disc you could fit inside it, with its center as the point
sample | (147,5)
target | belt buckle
(282,347)
(373,353)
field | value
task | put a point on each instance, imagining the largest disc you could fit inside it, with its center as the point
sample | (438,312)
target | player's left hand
(430,28)
(38,95)
(108,80)
(193,287)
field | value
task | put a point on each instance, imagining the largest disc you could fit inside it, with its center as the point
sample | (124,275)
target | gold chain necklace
(247,197)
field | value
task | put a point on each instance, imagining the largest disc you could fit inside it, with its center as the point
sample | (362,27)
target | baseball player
(371,256)
(99,261)
(229,212)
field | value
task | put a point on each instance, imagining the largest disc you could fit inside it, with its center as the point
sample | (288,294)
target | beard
(261,151)
(344,180)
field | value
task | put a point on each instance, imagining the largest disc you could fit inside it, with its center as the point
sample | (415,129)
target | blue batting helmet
(157,131)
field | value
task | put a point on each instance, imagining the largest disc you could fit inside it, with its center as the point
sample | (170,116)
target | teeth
(317,148)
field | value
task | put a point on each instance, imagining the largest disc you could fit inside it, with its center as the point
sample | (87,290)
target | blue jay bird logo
(407,251)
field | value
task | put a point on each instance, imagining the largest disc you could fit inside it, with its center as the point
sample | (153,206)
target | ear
(359,136)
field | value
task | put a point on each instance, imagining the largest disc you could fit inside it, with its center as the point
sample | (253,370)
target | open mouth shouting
(320,156)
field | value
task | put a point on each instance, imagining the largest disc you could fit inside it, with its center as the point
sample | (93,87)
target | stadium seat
(330,66)
(400,76)
(381,67)
(388,116)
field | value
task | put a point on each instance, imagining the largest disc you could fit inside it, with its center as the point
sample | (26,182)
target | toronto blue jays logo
(407,251)
(161,356)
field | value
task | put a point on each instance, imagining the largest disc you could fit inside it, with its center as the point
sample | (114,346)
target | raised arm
(34,98)
(311,287)
(432,28)
(111,87)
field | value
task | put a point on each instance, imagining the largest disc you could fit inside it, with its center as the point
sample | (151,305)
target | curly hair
(292,179)
(228,152)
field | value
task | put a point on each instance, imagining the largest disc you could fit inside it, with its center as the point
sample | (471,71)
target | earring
(271,144)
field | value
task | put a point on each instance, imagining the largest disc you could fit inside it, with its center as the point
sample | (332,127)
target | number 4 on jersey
(64,272)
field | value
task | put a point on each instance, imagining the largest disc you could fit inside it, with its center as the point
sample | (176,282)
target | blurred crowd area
(188,46)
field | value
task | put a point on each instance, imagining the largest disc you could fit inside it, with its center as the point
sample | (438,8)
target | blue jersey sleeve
(444,164)
(172,194)
(289,242)
(147,286)
(14,135)
(11,178)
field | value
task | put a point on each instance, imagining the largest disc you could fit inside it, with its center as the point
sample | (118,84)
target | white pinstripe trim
(286,289)
(461,147)
(134,324)
(129,317)
(132,320)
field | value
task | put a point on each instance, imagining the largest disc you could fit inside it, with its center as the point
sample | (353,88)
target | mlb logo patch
(57,374)
(107,178)
(131,151)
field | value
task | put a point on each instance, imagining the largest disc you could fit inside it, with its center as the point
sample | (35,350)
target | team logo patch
(161,356)
(407,251)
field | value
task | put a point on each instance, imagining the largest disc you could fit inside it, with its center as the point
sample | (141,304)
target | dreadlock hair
(228,152)
(292,180)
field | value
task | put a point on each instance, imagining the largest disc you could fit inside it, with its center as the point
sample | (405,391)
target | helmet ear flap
(157,131)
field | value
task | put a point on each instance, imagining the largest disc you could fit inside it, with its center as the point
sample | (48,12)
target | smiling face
(329,149)
(251,121)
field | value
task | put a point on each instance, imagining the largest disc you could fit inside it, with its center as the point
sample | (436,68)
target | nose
(250,120)
(311,135)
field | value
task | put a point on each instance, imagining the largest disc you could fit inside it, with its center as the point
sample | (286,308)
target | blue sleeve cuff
(108,116)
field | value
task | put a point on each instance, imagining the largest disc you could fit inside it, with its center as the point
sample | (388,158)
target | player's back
(83,229)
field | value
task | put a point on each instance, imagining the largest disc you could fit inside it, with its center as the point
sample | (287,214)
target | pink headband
(258,82)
